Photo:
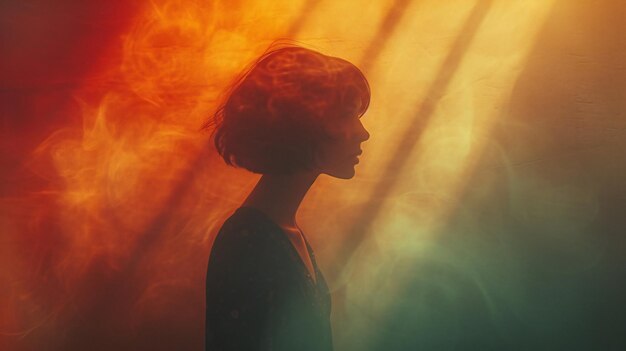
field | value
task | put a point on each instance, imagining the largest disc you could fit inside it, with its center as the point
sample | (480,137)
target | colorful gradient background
(487,211)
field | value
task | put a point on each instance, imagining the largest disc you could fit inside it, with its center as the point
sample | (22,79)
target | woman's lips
(355,157)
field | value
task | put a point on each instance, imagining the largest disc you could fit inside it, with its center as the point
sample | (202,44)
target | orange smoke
(106,236)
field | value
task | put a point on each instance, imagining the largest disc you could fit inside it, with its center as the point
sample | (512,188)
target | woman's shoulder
(245,231)
(246,244)
(245,222)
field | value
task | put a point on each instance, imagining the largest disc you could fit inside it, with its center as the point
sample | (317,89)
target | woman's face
(338,155)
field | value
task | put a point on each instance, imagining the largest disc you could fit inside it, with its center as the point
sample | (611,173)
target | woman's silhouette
(294,115)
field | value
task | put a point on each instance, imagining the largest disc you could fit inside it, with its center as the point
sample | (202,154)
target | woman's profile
(295,114)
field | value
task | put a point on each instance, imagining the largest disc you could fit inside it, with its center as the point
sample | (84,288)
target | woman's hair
(277,112)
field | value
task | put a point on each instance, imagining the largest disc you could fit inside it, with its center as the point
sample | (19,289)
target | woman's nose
(363,133)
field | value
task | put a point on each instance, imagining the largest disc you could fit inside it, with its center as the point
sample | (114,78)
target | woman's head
(294,110)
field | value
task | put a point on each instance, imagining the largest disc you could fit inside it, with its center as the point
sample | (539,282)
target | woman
(293,116)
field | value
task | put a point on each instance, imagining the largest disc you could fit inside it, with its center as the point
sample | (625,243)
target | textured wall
(486,212)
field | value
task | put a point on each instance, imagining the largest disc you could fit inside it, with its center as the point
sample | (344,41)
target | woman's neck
(280,196)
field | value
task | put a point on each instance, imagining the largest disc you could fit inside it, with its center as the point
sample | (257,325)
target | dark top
(259,293)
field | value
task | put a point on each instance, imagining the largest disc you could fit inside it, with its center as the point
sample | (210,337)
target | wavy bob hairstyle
(276,114)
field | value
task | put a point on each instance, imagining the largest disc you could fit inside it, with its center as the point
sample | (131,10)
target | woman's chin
(345,173)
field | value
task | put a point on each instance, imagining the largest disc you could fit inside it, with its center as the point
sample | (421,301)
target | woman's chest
(299,244)
(299,286)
